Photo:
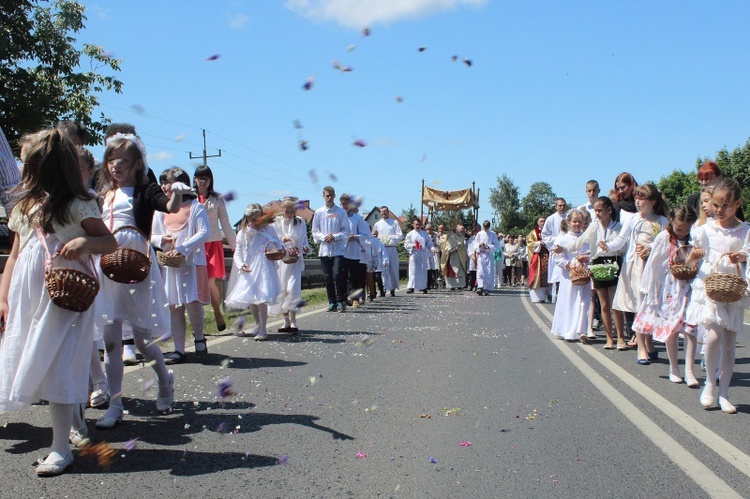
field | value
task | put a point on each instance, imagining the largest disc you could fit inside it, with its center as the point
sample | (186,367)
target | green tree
(539,202)
(677,186)
(42,75)
(735,165)
(505,201)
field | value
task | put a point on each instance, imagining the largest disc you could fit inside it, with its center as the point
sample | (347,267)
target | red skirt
(215,260)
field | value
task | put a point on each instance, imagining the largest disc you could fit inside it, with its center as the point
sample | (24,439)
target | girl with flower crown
(129,201)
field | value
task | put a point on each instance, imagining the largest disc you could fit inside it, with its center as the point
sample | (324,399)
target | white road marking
(681,457)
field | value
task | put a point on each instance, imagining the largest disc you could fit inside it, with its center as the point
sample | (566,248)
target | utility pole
(205,156)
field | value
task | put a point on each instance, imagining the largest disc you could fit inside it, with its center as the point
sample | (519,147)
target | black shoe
(382,294)
(175,358)
(393,292)
(409,291)
(204,352)
(424,291)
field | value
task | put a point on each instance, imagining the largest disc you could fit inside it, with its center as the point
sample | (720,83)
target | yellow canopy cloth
(448,200)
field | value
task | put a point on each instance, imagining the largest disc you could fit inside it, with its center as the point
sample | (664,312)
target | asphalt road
(438,395)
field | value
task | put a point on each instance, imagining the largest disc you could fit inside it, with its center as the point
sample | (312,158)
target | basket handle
(270,241)
(49,259)
(737,265)
(136,229)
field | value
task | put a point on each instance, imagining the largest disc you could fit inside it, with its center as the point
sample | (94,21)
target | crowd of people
(647,273)
(607,261)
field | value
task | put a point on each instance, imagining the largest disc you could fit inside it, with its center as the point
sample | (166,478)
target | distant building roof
(373,216)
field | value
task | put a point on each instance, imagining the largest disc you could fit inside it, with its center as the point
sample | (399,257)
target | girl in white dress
(726,241)
(129,201)
(570,321)
(254,282)
(661,313)
(46,350)
(604,229)
(638,234)
(183,233)
(293,233)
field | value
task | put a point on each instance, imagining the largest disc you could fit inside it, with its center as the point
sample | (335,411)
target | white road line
(681,457)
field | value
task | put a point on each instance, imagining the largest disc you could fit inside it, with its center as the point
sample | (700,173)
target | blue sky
(557,91)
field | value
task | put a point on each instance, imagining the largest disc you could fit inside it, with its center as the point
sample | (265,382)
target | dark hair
(71,128)
(330,189)
(625,178)
(683,213)
(176,174)
(608,205)
(651,193)
(51,179)
(115,128)
(203,171)
(708,169)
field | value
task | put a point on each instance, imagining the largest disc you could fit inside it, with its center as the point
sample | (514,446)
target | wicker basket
(683,272)
(169,261)
(723,287)
(580,275)
(291,256)
(678,269)
(71,289)
(273,251)
(603,272)
(126,265)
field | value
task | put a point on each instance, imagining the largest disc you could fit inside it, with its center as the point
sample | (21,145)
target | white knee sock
(179,325)
(113,360)
(153,355)
(197,316)
(62,417)
(726,363)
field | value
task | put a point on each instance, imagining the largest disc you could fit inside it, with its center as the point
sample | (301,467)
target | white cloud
(359,13)
(159,156)
(238,21)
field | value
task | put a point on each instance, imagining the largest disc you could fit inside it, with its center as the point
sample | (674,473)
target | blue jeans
(335,278)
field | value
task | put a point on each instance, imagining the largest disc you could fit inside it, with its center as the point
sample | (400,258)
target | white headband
(135,140)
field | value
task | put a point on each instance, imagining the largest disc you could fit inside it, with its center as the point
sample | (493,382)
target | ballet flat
(56,468)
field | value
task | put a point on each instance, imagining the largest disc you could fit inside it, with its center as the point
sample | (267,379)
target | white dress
(642,231)
(45,351)
(181,283)
(661,312)
(290,274)
(570,320)
(261,284)
(716,241)
(142,304)
(419,246)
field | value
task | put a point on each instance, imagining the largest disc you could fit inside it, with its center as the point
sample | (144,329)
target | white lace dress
(45,351)
(662,310)
(143,304)
(716,241)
